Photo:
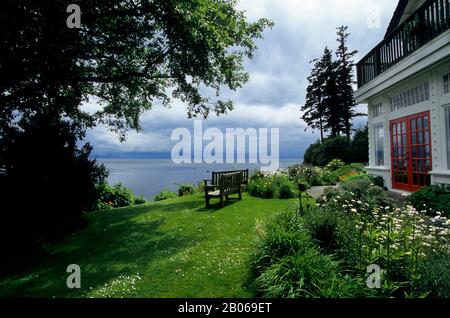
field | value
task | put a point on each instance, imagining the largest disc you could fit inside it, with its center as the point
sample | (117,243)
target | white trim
(381,168)
(440,173)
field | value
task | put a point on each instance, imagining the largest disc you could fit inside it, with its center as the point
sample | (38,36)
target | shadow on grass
(119,242)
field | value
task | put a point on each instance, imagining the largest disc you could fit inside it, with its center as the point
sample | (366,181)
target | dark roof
(398,13)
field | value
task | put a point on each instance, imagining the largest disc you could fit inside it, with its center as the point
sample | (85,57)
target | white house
(405,80)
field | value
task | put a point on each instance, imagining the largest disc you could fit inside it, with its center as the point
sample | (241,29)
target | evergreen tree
(330,94)
(313,108)
(344,76)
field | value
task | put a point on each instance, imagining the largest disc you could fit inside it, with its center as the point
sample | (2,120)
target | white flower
(354,210)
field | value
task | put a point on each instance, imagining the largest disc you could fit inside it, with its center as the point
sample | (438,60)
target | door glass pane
(413,125)
(427,151)
(420,137)
(426,123)
(427,137)
(419,124)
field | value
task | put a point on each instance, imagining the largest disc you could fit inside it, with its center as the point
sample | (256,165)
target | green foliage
(360,146)
(311,176)
(117,196)
(359,190)
(287,264)
(433,199)
(276,185)
(312,154)
(378,181)
(157,47)
(338,148)
(332,148)
(47,181)
(335,164)
(435,275)
(347,170)
(185,189)
(330,104)
(165,195)
(322,223)
(368,229)
(286,190)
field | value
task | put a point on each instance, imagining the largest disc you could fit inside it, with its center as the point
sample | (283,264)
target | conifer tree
(345,80)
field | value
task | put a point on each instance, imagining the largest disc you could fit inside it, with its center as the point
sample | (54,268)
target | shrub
(335,164)
(185,189)
(285,190)
(165,195)
(311,176)
(433,199)
(354,176)
(435,275)
(347,170)
(275,185)
(400,240)
(47,181)
(356,150)
(322,223)
(139,200)
(334,148)
(360,146)
(311,156)
(117,196)
(378,181)
(288,264)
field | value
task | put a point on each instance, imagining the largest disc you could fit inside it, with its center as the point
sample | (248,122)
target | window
(377,110)
(379,144)
(413,96)
(447,117)
(447,83)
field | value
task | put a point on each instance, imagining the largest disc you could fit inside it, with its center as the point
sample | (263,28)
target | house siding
(435,105)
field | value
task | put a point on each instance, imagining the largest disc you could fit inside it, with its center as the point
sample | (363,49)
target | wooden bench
(215,180)
(226,184)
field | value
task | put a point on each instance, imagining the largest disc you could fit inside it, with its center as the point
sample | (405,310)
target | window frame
(377,142)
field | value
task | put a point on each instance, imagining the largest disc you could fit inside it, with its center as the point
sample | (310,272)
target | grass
(174,248)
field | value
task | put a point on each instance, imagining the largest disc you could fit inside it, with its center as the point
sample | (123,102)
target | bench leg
(226,197)
(221,202)
(240,195)
(207,201)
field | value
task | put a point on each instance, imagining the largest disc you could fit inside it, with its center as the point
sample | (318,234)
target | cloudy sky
(278,73)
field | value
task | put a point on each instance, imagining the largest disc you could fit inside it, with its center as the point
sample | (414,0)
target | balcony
(427,23)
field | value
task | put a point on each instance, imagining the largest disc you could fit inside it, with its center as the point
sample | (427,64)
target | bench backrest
(231,183)
(216,176)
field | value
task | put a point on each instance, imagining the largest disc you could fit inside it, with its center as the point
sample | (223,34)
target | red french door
(411,152)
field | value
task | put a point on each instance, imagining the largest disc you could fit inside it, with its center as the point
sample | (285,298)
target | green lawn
(174,248)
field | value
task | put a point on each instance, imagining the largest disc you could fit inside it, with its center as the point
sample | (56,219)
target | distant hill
(131,155)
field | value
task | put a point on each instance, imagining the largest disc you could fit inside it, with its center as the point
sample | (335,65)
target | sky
(278,75)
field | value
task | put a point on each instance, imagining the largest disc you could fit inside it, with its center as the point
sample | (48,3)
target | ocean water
(147,177)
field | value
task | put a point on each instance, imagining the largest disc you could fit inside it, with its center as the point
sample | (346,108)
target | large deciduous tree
(128,53)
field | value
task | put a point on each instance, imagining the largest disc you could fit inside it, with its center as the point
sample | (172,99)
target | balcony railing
(428,22)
